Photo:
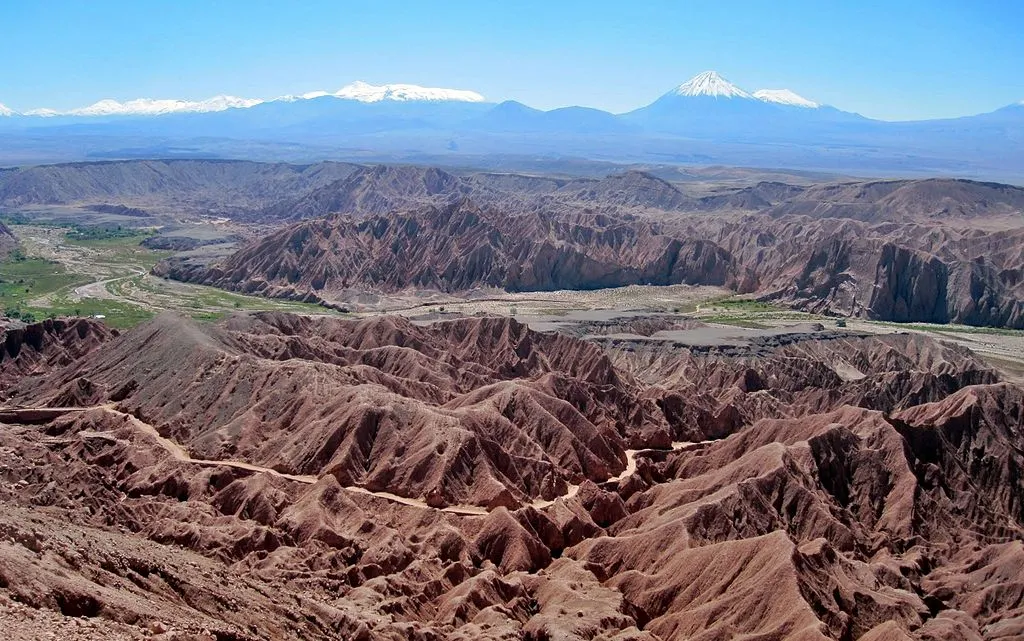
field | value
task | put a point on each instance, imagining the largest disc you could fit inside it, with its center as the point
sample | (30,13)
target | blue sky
(901,59)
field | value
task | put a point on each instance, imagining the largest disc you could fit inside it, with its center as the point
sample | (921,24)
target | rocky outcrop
(909,287)
(281,476)
(458,247)
(36,348)
(420,229)
(468,411)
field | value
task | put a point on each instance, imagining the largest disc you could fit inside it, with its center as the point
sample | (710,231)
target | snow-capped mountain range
(150,107)
(359,91)
(708,84)
(707,119)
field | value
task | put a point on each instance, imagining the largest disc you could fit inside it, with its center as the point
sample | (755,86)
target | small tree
(841,322)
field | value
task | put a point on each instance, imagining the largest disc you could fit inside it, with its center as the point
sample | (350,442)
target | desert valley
(273,401)
(470,321)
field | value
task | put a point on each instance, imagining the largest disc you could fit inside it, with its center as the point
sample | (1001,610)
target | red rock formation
(885,505)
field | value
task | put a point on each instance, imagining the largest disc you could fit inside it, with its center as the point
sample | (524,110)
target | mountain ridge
(389,123)
(940,251)
(704,84)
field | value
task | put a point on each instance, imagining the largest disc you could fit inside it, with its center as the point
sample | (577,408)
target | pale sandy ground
(547,311)
(535,304)
(1003,350)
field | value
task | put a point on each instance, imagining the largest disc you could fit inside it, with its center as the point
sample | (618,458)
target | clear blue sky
(900,59)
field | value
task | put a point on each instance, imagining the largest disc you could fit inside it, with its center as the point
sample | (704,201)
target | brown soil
(283,477)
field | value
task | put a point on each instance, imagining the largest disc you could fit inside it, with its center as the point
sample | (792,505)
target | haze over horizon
(898,61)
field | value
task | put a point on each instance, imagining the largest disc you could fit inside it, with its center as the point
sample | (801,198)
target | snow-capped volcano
(709,84)
(5,110)
(151,107)
(785,97)
(713,85)
(365,92)
(708,105)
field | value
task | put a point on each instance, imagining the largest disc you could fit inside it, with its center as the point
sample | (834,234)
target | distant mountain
(372,190)
(279,191)
(149,107)
(365,92)
(512,116)
(957,203)
(358,91)
(709,106)
(706,120)
(632,189)
(708,85)
(219,187)
(381,189)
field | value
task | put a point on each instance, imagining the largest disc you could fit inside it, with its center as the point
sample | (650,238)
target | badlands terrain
(275,475)
(253,401)
(933,251)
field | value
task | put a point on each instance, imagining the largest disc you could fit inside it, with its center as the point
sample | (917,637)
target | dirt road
(179,453)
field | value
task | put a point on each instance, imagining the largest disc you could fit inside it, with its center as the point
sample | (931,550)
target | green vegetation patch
(23,279)
(113,312)
(734,304)
(33,288)
(105,237)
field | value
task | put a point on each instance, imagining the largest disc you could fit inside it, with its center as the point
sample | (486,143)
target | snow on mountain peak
(365,92)
(785,97)
(5,110)
(151,107)
(360,91)
(710,84)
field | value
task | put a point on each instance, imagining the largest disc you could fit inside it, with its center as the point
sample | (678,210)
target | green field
(39,279)
(25,279)
(749,313)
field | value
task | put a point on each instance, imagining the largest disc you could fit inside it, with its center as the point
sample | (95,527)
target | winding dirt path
(179,453)
(98,289)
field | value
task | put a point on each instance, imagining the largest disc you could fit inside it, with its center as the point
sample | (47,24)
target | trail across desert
(181,454)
